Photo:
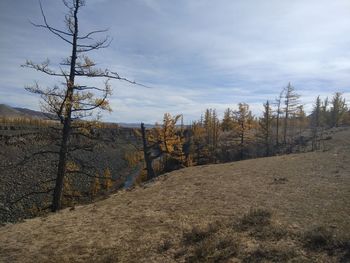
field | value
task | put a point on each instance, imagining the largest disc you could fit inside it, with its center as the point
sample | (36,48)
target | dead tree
(147,154)
(73,101)
(278,115)
(265,128)
(291,103)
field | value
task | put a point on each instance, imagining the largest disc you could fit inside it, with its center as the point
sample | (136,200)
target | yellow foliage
(169,136)
(33,210)
(71,166)
(108,182)
(95,187)
(142,177)
(69,194)
(133,157)
(28,121)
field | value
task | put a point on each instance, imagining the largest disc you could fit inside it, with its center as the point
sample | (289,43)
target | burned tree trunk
(56,199)
(148,160)
(72,102)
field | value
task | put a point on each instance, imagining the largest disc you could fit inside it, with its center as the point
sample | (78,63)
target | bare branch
(97,45)
(110,75)
(43,67)
(87,36)
(55,31)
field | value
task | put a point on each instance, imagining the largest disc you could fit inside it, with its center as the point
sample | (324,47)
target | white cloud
(194,53)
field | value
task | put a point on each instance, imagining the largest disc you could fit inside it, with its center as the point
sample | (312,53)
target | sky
(193,54)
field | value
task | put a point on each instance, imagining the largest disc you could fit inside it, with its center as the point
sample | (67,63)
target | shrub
(217,248)
(164,245)
(254,218)
(269,232)
(209,244)
(269,255)
(319,238)
(196,234)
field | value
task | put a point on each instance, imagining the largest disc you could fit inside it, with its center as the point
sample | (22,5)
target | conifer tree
(316,123)
(291,104)
(169,138)
(301,118)
(73,100)
(316,113)
(198,138)
(208,125)
(338,109)
(107,179)
(147,153)
(95,187)
(278,104)
(215,128)
(227,121)
(265,127)
(325,116)
(243,124)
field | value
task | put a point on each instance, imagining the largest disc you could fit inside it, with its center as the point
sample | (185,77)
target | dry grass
(149,223)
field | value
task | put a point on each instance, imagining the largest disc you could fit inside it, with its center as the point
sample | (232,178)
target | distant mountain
(14,112)
(134,125)
(9,112)
(34,114)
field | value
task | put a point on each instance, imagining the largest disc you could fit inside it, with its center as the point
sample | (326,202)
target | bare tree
(265,127)
(147,151)
(73,101)
(316,123)
(291,103)
(244,123)
(278,115)
(338,109)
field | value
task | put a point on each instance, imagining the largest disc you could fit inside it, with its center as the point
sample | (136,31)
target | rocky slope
(22,169)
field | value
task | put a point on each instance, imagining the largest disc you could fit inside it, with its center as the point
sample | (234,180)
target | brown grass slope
(158,222)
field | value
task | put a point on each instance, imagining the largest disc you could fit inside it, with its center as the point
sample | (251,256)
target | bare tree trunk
(72,101)
(61,171)
(148,161)
(268,137)
(286,117)
(57,194)
(242,140)
(279,101)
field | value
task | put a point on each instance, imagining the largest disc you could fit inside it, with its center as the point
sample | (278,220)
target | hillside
(9,112)
(22,170)
(197,215)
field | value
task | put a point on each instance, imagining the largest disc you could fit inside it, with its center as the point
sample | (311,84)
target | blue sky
(195,54)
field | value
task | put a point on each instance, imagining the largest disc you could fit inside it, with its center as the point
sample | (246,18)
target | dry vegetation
(292,208)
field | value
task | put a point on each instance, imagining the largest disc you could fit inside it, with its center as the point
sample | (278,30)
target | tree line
(282,128)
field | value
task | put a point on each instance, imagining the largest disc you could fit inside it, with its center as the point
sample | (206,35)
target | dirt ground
(302,191)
